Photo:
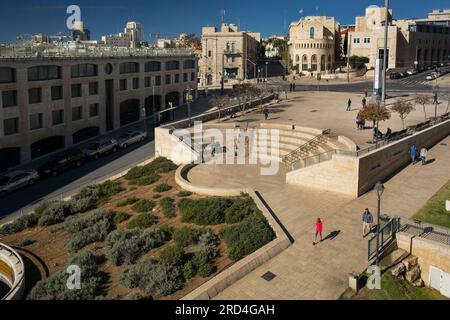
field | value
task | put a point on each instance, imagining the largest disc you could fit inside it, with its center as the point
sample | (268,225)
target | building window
(136,83)
(84,70)
(209,53)
(93,110)
(312,33)
(366,40)
(123,84)
(7,75)
(129,67)
(77,113)
(10,126)
(57,117)
(40,73)
(172,65)
(34,95)
(148,82)
(185,77)
(9,98)
(193,76)
(93,88)
(152,66)
(36,121)
(168,79)
(57,93)
(177,78)
(356,40)
(189,64)
(76,91)
(157,81)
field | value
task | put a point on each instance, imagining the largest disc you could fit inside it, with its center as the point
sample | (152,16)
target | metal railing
(388,228)
(291,157)
(425,230)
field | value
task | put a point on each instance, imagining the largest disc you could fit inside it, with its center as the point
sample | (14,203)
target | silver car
(99,148)
(16,180)
(131,137)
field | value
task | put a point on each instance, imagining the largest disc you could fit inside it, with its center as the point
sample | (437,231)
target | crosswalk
(415,82)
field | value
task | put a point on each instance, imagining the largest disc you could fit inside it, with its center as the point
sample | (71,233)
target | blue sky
(171,17)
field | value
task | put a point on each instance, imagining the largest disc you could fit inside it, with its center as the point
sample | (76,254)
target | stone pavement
(304,271)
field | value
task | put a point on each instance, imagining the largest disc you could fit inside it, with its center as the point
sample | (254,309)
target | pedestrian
(366,91)
(367,219)
(423,155)
(413,153)
(266,113)
(364,101)
(349,105)
(388,134)
(293,87)
(319,229)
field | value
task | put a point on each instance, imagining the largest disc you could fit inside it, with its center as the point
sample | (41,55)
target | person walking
(319,230)
(266,113)
(413,153)
(366,91)
(423,155)
(293,87)
(367,219)
(364,101)
(349,105)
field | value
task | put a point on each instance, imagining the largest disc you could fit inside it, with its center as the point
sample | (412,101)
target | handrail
(306,144)
(21,277)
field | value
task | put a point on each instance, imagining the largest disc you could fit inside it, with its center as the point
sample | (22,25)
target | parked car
(130,138)
(16,180)
(412,72)
(395,75)
(99,148)
(432,76)
(62,162)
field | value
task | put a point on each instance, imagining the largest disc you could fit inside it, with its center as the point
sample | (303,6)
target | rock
(413,274)
(418,283)
(410,262)
(398,270)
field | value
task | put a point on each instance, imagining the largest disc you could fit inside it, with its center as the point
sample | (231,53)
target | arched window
(152,66)
(329,62)
(40,73)
(297,58)
(83,70)
(7,75)
(304,62)
(189,64)
(172,65)
(322,63)
(129,67)
(314,63)
(312,32)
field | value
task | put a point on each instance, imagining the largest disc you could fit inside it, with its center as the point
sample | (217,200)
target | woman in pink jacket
(319,229)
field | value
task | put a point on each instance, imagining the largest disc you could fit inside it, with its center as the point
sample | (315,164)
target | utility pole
(222,82)
(385,60)
(349,40)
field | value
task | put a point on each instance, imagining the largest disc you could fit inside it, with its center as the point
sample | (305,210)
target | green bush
(143,206)
(25,242)
(168,207)
(186,236)
(55,213)
(146,180)
(142,221)
(148,174)
(152,278)
(163,187)
(206,211)
(127,202)
(241,208)
(183,194)
(202,264)
(120,217)
(247,236)
(82,205)
(208,244)
(173,255)
(20,224)
(189,270)
(55,286)
(134,296)
(126,246)
(99,193)
(76,224)
(206,269)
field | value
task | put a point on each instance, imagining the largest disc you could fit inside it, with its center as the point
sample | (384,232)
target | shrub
(202,264)
(173,255)
(186,236)
(143,206)
(148,174)
(183,194)
(145,180)
(77,224)
(127,202)
(206,269)
(163,187)
(25,242)
(142,221)
(100,192)
(55,213)
(82,205)
(126,246)
(207,211)
(208,244)
(168,207)
(120,217)
(20,224)
(153,278)
(41,207)
(189,270)
(247,236)
(241,208)
(55,286)
(134,296)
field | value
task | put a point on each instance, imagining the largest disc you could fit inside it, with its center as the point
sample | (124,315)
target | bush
(77,224)
(25,242)
(55,213)
(143,206)
(99,193)
(247,236)
(206,269)
(168,207)
(126,246)
(142,221)
(153,278)
(148,174)
(120,217)
(207,211)
(241,208)
(164,187)
(134,296)
(55,286)
(20,224)
(208,244)
(202,264)
(186,236)
(189,270)
(172,255)
(183,194)
(127,202)
(145,180)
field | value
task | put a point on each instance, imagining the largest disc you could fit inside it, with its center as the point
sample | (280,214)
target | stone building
(314,44)
(48,103)
(230,52)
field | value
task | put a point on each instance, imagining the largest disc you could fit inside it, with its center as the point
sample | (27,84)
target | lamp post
(379,188)
(267,63)
(189,99)
(144,115)
(385,57)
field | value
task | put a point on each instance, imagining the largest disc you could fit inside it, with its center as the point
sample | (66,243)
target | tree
(403,108)
(423,100)
(357,62)
(374,112)
(219,103)
(447,97)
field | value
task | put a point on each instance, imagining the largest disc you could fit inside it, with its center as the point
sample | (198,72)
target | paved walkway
(304,271)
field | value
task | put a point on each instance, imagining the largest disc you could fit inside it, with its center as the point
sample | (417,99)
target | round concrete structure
(12,272)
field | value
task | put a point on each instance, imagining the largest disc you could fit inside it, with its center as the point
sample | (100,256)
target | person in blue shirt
(413,153)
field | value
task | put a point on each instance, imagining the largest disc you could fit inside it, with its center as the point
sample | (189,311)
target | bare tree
(219,103)
(403,108)
(423,100)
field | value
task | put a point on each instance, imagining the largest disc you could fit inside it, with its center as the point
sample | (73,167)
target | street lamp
(267,63)
(379,188)
(144,115)
(189,99)
(385,57)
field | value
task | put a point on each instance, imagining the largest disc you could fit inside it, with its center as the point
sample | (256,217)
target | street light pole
(379,188)
(386,29)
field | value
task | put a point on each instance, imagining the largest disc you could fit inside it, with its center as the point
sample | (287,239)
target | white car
(99,148)
(131,137)
(411,72)
(16,180)
(432,76)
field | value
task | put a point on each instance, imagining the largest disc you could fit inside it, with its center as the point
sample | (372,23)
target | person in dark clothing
(367,219)
(349,105)
(364,101)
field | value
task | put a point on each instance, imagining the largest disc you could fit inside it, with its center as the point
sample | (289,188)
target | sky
(172,17)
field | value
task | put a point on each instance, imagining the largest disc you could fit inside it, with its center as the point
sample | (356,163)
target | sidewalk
(304,271)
